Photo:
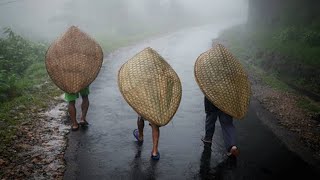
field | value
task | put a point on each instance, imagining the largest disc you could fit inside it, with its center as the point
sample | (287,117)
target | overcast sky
(48,18)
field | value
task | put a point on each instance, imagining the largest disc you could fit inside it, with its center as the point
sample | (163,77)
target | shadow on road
(224,170)
(137,171)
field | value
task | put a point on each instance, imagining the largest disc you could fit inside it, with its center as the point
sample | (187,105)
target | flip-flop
(136,135)
(74,128)
(84,123)
(156,157)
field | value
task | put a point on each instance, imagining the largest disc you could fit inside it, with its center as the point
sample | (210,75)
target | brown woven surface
(150,86)
(224,81)
(74,60)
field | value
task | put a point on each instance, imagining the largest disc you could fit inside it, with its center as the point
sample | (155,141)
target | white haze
(46,19)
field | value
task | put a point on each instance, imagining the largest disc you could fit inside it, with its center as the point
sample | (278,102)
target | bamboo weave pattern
(150,86)
(223,80)
(74,60)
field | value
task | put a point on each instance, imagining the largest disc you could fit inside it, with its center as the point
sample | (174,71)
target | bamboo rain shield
(74,60)
(223,81)
(150,86)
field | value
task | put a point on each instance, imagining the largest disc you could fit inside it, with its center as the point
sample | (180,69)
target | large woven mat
(150,86)
(224,81)
(74,60)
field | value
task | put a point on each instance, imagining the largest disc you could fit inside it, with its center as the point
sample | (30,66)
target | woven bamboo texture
(150,86)
(224,81)
(74,60)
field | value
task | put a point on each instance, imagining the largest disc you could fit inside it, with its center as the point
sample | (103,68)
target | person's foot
(136,135)
(155,156)
(234,151)
(83,122)
(206,141)
(75,127)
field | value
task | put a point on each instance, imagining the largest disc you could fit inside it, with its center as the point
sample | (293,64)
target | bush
(306,36)
(311,37)
(288,34)
(16,56)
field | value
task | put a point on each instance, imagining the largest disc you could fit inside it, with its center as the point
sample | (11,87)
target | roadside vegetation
(286,57)
(24,84)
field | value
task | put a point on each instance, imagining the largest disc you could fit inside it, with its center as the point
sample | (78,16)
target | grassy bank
(24,84)
(286,58)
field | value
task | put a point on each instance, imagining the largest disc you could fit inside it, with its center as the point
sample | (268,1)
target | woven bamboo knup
(223,81)
(150,86)
(74,60)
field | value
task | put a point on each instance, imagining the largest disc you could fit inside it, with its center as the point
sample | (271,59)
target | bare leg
(73,113)
(155,138)
(140,124)
(84,108)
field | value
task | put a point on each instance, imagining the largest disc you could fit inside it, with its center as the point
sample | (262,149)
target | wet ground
(107,149)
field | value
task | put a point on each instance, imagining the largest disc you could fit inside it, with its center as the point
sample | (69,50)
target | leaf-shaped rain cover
(74,60)
(224,81)
(150,86)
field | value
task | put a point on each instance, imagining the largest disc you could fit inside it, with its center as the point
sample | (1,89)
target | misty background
(28,27)
(277,41)
(45,19)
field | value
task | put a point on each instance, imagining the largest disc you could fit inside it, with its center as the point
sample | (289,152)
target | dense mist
(46,19)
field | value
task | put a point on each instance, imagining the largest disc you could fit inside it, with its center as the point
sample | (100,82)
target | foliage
(16,56)
(303,35)
(309,105)
(289,54)
(23,109)
(22,82)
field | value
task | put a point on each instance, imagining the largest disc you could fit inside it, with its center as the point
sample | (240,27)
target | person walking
(138,134)
(153,89)
(226,122)
(226,88)
(71,99)
(73,61)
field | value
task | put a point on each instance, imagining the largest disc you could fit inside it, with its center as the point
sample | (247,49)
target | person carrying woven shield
(226,122)
(226,87)
(71,99)
(153,89)
(138,134)
(73,62)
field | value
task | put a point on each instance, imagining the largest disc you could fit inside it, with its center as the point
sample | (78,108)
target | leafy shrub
(288,34)
(303,35)
(16,55)
(311,37)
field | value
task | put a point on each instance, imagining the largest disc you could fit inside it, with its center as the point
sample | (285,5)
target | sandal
(84,123)
(136,135)
(75,128)
(156,157)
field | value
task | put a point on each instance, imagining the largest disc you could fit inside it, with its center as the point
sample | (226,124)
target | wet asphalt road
(107,149)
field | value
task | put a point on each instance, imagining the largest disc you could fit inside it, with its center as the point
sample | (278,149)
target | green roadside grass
(36,92)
